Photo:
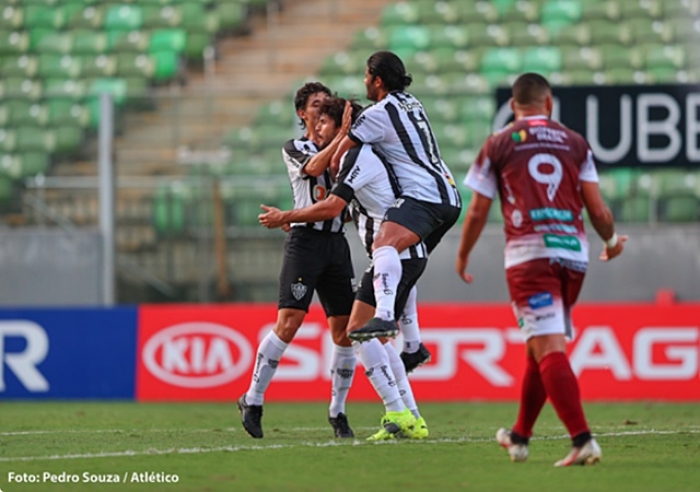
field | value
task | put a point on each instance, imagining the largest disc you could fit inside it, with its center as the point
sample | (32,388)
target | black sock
(516,438)
(581,439)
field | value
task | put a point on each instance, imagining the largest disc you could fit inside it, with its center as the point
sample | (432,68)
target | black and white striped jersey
(368,184)
(306,189)
(398,128)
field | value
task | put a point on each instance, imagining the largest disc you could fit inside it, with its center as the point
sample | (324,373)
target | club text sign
(629,125)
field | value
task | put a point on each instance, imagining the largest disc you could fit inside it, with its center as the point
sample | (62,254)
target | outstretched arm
(474,222)
(325,209)
(602,220)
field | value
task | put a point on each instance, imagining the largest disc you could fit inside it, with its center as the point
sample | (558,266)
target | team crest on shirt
(298,290)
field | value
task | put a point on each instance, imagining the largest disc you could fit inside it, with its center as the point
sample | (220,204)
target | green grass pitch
(646,447)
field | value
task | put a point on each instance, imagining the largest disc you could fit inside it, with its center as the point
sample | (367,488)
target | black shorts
(316,261)
(411,271)
(430,221)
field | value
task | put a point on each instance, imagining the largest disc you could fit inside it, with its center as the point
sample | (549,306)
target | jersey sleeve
(588,171)
(481,176)
(369,126)
(296,158)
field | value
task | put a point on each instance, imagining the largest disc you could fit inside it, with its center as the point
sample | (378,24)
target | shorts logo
(298,290)
(543,299)
(398,203)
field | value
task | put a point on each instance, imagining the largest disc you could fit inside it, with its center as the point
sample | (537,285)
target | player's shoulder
(299,145)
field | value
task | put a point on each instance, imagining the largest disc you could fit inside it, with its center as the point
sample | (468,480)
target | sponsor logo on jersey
(355,173)
(549,213)
(571,243)
(540,300)
(519,137)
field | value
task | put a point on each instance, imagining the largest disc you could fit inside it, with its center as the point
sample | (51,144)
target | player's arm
(602,220)
(320,162)
(325,209)
(599,213)
(345,144)
(477,215)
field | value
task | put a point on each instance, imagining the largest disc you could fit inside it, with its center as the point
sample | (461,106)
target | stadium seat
(280,112)
(410,38)
(125,17)
(678,197)
(38,16)
(60,112)
(59,66)
(22,112)
(169,206)
(22,88)
(476,12)
(526,11)
(498,61)
(524,34)
(576,35)
(601,10)
(67,139)
(642,9)
(452,36)
(98,66)
(577,58)
(609,32)
(440,109)
(471,83)
(166,65)
(429,84)
(32,139)
(400,13)
(664,56)
(371,38)
(560,14)
(89,17)
(344,62)
(156,17)
(54,42)
(20,66)
(476,109)
(648,31)
(88,42)
(231,15)
(488,35)
(11,18)
(32,164)
(13,43)
(542,59)
(621,57)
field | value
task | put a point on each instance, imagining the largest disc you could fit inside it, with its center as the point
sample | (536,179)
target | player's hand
(461,267)
(347,119)
(272,218)
(610,253)
(286,227)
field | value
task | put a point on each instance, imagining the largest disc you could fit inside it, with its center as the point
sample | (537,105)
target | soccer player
(367,185)
(316,258)
(545,175)
(429,204)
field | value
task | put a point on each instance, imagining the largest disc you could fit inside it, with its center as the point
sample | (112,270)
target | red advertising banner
(619,352)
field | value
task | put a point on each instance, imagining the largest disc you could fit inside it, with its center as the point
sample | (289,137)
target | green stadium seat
(601,10)
(643,9)
(678,197)
(451,60)
(433,84)
(196,44)
(196,19)
(59,66)
(609,32)
(33,139)
(88,42)
(471,83)
(32,164)
(459,160)
(161,17)
(578,58)
(410,38)
(576,35)
(542,59)
(38,16)
(20,66)
(125,17)
(13,42)
(684,29)
(524,34)
(98,66)
(665,56)
(526,11)
(636,209)
(440,109)
(280,112)
(8,140)
(347,86)
(138,64)
(680,8)
(129,41)
(11,18)
(65,89)
(616,56)
(169,206)
(60,112)
(454,37)
(10,166)
(648,31)
(476,12)
(371,38)
(231,15)
(20,88)
(344,62)
(431,12)
(477,109)
(497,61)
(89,17)
(488,35)
(117,87)
(400,14)
(23,112)
(54,42)
(67,139)
(173,40)
(166,65)
(558,14)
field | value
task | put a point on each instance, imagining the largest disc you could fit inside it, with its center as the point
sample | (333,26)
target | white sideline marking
(355,442)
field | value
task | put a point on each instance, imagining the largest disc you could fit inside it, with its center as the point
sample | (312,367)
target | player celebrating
(366,183)
(544,174)
(316,257)
(429,203)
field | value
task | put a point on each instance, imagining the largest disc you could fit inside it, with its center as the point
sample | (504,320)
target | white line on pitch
(355,442)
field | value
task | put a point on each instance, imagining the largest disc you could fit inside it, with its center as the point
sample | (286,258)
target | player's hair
(305,92)
(335,106)
(389,67)
(530,88)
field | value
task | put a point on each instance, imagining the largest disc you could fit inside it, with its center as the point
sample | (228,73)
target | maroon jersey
(536,166)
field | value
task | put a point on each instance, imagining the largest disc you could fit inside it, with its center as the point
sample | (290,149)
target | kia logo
(197,355)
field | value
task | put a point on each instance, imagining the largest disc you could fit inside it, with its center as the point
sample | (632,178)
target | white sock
(387,273)
(410,329)
(378,371)
(402,382)
(267,359)
(342,371)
